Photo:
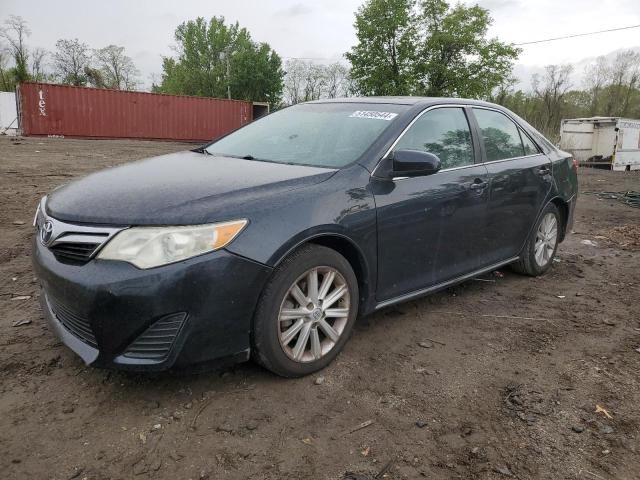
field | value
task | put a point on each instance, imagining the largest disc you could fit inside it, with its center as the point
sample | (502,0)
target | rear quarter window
(530,148)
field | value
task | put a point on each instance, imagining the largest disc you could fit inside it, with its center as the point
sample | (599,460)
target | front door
(430,227)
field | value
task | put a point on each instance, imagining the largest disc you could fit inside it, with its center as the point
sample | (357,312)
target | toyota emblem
(46,233)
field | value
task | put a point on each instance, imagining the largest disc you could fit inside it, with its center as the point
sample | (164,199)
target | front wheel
(306,312)
(540,249)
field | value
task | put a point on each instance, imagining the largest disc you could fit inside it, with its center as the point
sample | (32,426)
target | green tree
(95,77)
(7,74)
(15,33)
(218,60)
(456,58)
(18,62)
(427,48)
(383,61)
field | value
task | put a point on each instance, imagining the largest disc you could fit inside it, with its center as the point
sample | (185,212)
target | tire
(530,263)
(276,343)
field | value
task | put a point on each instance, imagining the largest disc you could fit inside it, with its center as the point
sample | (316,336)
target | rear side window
(545,145)
(529,146)
(501,136)
(444,132)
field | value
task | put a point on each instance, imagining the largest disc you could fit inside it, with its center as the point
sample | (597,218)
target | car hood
(176,189)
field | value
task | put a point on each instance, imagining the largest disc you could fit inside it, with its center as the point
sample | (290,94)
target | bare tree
(6,79)
(117,69)
(551,89)
(314,82)
(336,80)
(15,32)
(38,55)
(350,86)
(295,74)
(596,77)
(71,59)
(503,91)
(625,75)
(306,81)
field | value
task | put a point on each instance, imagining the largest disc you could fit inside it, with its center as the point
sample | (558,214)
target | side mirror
(414,163)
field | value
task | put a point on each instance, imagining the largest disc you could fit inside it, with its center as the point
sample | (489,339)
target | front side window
(330,135)
(501,137)
(444,132)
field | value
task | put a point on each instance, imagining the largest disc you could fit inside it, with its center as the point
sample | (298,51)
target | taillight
(574,164)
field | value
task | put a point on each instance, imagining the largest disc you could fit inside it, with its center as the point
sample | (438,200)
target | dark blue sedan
(271,241)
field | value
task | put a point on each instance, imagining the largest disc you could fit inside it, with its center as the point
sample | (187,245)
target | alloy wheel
(546,239)
(313,314)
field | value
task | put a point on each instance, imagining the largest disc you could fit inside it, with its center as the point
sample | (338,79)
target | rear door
(519,182)
(430,227)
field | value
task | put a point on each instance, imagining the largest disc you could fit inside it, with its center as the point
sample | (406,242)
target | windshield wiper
(202,150)
(242,157)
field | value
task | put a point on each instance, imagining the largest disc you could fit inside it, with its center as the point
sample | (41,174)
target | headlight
(35,217)
(147,247)
(39,210)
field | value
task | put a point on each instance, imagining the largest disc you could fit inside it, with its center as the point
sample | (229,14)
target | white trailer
(8,113)
(612,142)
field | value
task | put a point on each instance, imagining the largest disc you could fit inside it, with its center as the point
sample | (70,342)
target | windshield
(323,134)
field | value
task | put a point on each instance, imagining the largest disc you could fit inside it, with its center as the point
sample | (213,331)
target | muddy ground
(509,386)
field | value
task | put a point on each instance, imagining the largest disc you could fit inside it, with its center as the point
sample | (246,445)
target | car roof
(407,100)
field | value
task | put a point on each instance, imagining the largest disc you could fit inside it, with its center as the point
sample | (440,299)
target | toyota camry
(269,242)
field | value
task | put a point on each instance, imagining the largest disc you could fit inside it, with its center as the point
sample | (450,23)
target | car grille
(79,252)
(69,241)
(155,343)
(76,324)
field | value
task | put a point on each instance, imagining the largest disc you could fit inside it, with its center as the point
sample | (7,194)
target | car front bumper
(113,314)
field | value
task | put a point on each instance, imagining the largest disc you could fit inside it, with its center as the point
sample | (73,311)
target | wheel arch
(563,208)
(346,247)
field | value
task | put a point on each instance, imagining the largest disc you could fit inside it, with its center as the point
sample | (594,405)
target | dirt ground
(517,377)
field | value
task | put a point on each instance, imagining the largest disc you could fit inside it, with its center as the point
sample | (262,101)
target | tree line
(431,48)
(610,87)
(71,63)
(306,81)
(404,47)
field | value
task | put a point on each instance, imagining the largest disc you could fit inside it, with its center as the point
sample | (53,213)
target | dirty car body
(365,193)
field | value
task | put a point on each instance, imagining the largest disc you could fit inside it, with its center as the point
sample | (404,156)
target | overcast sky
(319,29)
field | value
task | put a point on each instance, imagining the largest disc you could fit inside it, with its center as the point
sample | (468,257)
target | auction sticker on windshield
(388,116)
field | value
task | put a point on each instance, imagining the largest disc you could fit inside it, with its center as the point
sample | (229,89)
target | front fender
(312,235)
(340,207)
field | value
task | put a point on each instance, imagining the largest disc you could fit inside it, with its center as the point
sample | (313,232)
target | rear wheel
(306,312)
(540,249)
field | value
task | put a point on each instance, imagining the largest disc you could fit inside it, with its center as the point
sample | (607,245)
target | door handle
(477,184)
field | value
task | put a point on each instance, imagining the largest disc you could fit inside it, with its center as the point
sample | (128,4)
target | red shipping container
(63,110)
